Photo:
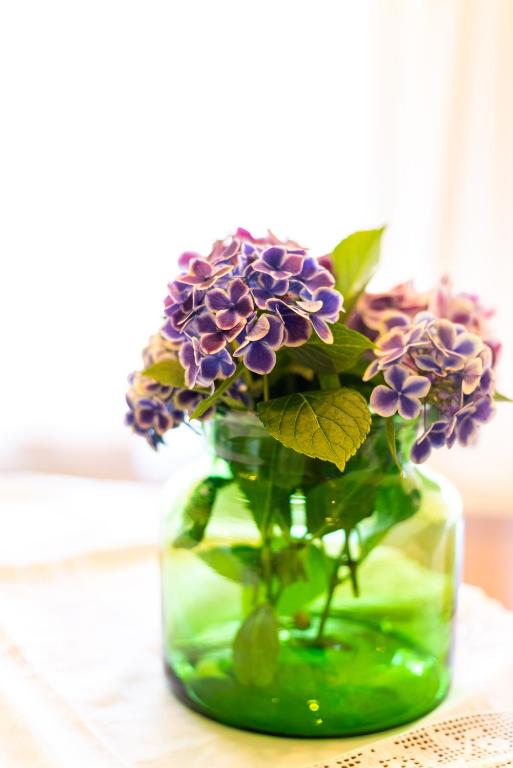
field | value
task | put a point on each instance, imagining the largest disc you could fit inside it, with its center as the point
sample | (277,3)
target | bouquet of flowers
(309,576)
(261,325)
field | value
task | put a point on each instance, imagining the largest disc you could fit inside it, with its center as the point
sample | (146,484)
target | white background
(131,131)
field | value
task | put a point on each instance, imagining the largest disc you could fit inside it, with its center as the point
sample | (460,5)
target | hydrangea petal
(384,401)
(408,407)
(396,377)
(259,358)
(322,329)
(421,450)
(416,386)
(258,328)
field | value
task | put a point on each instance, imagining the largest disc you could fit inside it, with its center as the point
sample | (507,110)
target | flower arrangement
(327,556)
(260,317)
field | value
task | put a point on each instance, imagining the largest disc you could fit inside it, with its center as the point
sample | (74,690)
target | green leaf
(502,398)
(267,501)
(240,563)
(256,647)
(355,261)
(298,595)
(197,511)
(329,425)
(204,405)
(342,502)
(167,372)
(394,502)
(288,565)
(342,355)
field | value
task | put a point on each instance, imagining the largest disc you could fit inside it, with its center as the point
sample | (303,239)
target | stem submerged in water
(267,527)
(344,558)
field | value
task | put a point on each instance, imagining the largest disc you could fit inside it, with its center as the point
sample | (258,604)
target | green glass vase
(301,601)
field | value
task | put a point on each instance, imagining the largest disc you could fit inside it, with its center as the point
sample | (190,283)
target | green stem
(352,566)
(344,555)
(266,526)
(333,583)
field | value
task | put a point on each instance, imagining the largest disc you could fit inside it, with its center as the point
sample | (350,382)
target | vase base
(373,681)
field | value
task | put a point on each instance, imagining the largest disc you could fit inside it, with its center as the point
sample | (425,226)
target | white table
(81,680)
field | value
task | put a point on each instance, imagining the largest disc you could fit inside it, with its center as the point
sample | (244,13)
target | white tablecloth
(81,680)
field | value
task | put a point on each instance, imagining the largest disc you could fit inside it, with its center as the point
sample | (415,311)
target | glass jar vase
(301,601)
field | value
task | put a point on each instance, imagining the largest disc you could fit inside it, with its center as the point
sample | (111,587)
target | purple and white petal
(408,407)
(258,328)
(384,401)
(438,433)
(331,303)
(421,450)
(371,370)
(211,343)
(427,363)
(484,409)
(275,334)
(297,329)
(472,376)
(291,264)
(237,289)
(396,377)
(468,344)
(446,334)
(466,430)
(309,305)
(259,358)
(322,329)
(416,386)
(217,300)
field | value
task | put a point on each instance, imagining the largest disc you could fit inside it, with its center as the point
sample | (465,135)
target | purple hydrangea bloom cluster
(155,408)
(247,299)
(436,367)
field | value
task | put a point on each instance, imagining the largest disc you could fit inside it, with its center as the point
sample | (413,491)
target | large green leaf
(267,501)
(167,372)
(342,355)
(256,647)
(297,595)
(240,563)
(355,261)
(394,502)
(329,425)
(342,502)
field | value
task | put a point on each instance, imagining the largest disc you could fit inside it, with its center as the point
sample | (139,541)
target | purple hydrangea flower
(217,366)
(231,305)
(324,307)
(297,327)
(189,358)
(216,300)
(313,276)
(435,437)
(402,395)
(279,263)
(211,338)
(470,417)
(248,298)
(264,335)
(453,344)
(149,417)
(202,274)
(265,288)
